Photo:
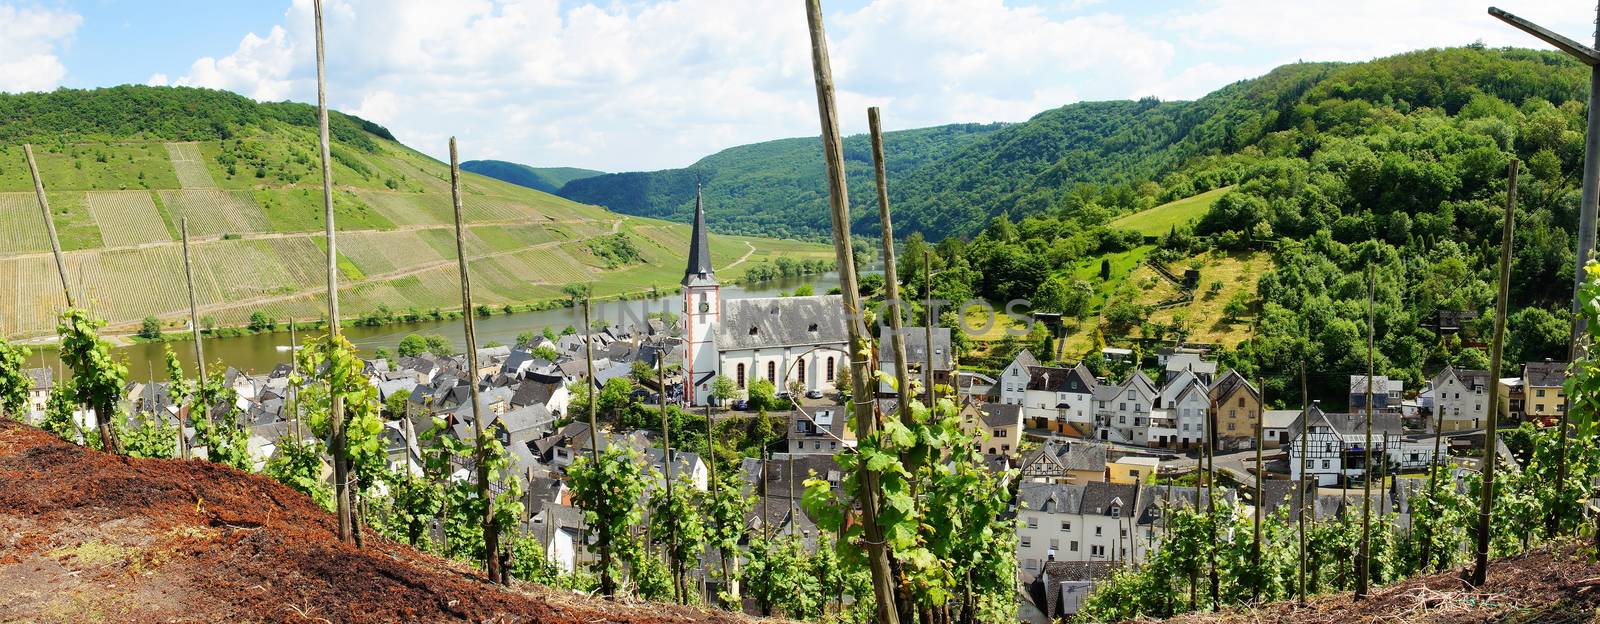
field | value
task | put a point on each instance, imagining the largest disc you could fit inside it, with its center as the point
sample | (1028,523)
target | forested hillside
(774,188)
(547,179)
(124,167)
(1398,163)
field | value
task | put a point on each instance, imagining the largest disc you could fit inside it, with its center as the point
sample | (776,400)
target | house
(1336,450)
(1192,363)
(1066,584)
(916,341)
(552,396)
(1237,411)
(685,466)
(1122,412)
(1089,522)
(1387,393)
(1060,399)
(789,341)
(1131,469)
(1543,397)
(1066,462)
(819,431)
(1460,398)
(1185,398)
(1275,426)
(41,380)
(1001,427)
(1013,384)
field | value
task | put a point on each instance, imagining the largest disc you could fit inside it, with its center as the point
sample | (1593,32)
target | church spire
(699,270)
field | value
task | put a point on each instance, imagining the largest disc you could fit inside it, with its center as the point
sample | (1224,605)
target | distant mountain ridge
(547,179)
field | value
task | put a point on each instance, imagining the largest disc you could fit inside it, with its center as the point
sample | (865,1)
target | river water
(260,352)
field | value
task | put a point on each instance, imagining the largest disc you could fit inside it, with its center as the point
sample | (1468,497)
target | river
(260,352)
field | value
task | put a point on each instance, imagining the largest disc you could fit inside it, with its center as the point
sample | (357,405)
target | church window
(801,370)
(772,372)
(830,368)
(741,375)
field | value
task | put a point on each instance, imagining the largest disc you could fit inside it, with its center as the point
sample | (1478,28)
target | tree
(149,436)
(525,338)
(675,523)
(260,322)
(150,329)
(723,388)
(777,576)
(14,380)
(763,395)
(1238,305)
(395,406)
(607,489)
(97,378)
(804,290)
(547,354)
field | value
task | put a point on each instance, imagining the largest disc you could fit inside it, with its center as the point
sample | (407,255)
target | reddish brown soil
(1558,583)
(86,536)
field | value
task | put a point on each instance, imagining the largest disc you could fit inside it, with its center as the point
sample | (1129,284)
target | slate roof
(532,392)
(41,378)
(1059,455)
(1050,497)
(1178,362)
(1099,498)
(773,322)
(699,271)
(1380,385)
(916,339)
(1472,378)
(1545,374)
(1076,379)
(1025,359)
(1002,415)
(1232,382)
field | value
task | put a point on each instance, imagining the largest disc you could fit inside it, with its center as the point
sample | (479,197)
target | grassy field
(1161,219)
(254,207)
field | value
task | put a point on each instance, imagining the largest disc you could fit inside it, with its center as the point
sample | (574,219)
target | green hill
(547,179)
(774,188)
(125,166)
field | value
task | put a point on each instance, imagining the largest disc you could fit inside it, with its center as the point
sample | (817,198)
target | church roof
(699,271)
(767,322)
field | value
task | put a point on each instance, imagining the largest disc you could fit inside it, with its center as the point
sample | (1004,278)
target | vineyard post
(666,459)
(1480,568)
(1364,559)
(1305,447)
(860,377)
(1255,546)
(1433,484)
(341,465)
(294,370)
(607,583)
(491,537)
(49,223)
(194,320)
(1588,206)
(891,278)
(927,324)
(1211,503)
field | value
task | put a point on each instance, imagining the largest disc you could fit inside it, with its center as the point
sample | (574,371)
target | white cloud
(639,84)
(158,80)
(29,41)
(259,68)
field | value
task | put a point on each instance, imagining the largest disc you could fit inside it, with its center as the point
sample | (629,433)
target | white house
(1185,398)
(1461,396)
(1336,446)
(1122,412)
(1088,522)
(1013,381)
(1061,399)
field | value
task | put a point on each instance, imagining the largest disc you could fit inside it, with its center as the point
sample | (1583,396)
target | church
(788,341)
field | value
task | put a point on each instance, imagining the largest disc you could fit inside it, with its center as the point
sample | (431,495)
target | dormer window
(753,330)
(812,328)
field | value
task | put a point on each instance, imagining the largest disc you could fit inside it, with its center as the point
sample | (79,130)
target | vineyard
(255,218)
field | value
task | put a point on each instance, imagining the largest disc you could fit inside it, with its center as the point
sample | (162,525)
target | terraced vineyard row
(190,166)
(21,225)
(215,213)
(127,218)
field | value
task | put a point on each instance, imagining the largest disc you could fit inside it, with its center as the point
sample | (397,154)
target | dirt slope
(1548,585)
(87,537)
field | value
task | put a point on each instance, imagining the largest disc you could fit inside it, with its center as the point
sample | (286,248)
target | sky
(625,85)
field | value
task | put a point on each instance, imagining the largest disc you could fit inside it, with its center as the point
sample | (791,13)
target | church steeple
(699,272)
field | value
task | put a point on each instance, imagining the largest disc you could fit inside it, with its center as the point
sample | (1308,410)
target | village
(1095,464)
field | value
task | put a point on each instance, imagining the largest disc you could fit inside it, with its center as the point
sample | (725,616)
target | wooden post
(49,223)
(1305,447)
(607,583)
(1491,438)
(341,466)
(491,538)
(891,277)
(927,317)
(679,591)
(862,395)
(1211,504)
(1261,502)
(194,315)
(294,370)
(1433,482)
(1364,558)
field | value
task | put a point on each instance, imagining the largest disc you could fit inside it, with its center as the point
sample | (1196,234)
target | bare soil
(90,537)
(1556,583)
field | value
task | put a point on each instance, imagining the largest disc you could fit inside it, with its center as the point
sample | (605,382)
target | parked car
(741,405)
(813,394)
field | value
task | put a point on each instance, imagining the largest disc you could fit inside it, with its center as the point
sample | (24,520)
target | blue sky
(643,84)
